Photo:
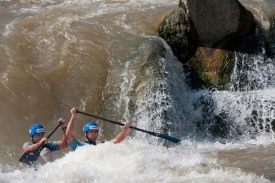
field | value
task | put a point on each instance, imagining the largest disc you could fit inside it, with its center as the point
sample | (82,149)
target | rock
(176,31)
(202,34)
(216,21)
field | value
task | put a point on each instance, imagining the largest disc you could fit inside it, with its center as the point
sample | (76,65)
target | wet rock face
(176,31)
(214,20)
(213,24)
(203,34)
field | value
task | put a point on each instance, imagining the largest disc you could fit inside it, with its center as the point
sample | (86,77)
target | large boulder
(202,33)
(216,21)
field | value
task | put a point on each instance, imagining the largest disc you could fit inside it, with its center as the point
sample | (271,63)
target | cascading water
(106,58)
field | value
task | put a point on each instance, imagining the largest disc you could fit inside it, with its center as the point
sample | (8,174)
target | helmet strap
(89,140)
(33,141)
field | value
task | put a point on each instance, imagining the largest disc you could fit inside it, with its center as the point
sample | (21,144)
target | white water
(135,161)
(138,158)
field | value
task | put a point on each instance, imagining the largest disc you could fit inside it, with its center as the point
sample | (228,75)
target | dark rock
(216,21)
(176,31)
(202,33)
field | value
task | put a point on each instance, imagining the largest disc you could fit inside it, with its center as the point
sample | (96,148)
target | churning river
(93,54)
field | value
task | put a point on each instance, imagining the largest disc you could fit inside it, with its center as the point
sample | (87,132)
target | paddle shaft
(164,136)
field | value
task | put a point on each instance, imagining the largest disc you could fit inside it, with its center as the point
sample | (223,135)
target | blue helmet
(90,125)
(36,128)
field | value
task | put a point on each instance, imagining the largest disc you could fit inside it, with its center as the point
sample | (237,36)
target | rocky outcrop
(216,21)
(202,34)
(177,32)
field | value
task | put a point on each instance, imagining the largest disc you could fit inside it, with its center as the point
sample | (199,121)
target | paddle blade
(28,158)
(172,139)
(164,136)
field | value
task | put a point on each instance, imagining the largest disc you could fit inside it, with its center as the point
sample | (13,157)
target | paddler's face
(37,137)
(91,134)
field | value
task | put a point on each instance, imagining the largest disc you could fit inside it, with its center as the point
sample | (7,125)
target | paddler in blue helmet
(36,133)
(90,131)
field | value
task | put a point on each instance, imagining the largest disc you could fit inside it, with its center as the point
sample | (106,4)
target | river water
(95,55)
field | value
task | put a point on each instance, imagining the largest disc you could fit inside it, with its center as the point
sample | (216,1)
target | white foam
(131,161)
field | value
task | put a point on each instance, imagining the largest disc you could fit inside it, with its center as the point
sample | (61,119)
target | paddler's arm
(70,126)
(28,148)
(121,136)
(63,142)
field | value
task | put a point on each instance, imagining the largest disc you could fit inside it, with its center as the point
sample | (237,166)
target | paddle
(163,136)
(30,158)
